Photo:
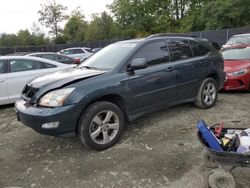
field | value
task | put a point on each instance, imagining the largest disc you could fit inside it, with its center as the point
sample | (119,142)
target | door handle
(169,69)
(1,81)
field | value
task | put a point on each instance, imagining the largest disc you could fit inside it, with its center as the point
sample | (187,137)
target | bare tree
(51,14)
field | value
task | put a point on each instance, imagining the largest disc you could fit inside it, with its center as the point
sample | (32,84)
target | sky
(21,14)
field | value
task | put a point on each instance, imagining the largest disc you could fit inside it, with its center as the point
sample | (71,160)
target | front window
(2,66)
(109,57)
(236,53)
(154,53)
(17,65)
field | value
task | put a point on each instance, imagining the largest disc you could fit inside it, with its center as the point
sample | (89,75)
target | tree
(75,27)
(226,14)
(24,37)
(51,15)
(8,40)
(143,16)
(102,27)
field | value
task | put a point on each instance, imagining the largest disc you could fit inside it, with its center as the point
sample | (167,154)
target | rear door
(189,69)
(4,98)
(20,72)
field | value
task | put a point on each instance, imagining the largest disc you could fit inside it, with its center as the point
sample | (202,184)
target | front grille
(29,91)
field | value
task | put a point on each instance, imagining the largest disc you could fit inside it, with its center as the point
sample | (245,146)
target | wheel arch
(112,98)
(215,76)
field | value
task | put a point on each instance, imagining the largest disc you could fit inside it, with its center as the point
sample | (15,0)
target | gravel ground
(158,150)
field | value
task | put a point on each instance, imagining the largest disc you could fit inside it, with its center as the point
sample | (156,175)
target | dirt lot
(160,150)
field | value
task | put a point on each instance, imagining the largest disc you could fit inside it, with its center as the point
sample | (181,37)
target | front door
(153,86)
(4,98)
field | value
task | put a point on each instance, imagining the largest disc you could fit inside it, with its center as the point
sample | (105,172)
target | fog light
(51,125)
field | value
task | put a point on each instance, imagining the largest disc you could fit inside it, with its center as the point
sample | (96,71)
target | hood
(63,77)
(235,65)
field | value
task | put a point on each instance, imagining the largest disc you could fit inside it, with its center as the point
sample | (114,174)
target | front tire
(207,94)
(101,125)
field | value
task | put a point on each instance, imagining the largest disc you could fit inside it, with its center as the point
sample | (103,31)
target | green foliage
(61,39)
(51,15)
(8,40)
(75,27)
(22,38)
(144,16)
(132,18)
(102,27)
(226,14)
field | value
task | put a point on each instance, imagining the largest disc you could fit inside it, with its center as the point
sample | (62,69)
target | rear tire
(207,94)
(101,125)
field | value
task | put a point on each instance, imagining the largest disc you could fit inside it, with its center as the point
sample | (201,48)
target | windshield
(236,53)
(239,40)
(110,56)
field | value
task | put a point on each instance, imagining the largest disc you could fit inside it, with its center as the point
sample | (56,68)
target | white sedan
(16,71)
(77,52)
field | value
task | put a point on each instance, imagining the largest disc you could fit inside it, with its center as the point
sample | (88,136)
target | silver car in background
(78,52)
(16,71)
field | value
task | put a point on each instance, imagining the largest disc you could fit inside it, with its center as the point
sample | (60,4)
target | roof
(76,48)
(244,34)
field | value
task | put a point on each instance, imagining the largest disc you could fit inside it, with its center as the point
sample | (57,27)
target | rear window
(88,50)
(77,51)
(198,49)
(180,49)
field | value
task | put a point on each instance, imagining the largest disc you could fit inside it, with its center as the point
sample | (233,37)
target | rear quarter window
(199,49)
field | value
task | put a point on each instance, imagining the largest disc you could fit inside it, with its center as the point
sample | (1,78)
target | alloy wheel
(104,127)
(209,93)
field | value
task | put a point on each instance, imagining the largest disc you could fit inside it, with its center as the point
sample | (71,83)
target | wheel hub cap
(104,127)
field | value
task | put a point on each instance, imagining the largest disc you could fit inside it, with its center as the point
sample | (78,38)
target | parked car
(237,68)
(56,57)
(15,71)
(121,83)
(94,50)
(81,53)
(236,40)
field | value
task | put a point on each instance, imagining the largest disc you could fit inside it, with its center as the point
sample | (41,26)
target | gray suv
(119,83)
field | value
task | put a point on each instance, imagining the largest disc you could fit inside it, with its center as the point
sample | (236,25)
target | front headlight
(55,98)
(238,73)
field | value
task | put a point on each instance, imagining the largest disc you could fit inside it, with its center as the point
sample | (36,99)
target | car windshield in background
(239,40)
(110,56)
(236,53)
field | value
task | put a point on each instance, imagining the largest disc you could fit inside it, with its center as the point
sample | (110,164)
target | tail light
(77,61)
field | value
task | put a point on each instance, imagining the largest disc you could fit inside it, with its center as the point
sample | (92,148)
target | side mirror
(139,63)
(216,45)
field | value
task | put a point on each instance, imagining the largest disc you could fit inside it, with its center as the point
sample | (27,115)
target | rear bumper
(35,117)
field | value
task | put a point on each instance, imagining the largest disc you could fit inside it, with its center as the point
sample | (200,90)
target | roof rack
(171,35)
